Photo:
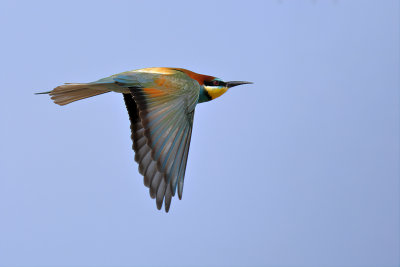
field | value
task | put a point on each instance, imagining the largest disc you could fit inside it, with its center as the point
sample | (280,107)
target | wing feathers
(161,132)
(182,170)
(160,193)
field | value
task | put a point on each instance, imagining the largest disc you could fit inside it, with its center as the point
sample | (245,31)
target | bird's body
(161,104)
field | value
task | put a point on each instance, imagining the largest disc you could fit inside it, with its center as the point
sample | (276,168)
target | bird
(161,102)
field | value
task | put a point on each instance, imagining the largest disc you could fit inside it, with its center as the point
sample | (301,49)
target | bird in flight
(160,104)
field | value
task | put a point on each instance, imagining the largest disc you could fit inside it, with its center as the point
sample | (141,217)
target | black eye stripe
(215,83)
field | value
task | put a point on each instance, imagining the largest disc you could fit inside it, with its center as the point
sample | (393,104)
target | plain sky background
(299,169)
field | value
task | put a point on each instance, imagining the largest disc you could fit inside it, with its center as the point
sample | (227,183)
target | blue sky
(299,169)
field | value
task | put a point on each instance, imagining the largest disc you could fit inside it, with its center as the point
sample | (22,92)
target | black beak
(236,83)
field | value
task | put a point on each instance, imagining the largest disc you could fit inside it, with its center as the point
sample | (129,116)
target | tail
(70,92)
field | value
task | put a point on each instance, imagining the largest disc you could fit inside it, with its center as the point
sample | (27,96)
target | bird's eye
(216,83)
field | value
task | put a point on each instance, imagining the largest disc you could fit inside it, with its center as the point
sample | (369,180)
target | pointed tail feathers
(70,92)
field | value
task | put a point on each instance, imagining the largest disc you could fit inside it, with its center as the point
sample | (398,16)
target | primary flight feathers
(160,104)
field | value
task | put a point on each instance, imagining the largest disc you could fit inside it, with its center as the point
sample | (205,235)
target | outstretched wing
(161,124)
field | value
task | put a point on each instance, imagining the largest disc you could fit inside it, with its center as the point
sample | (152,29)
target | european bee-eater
(161,104)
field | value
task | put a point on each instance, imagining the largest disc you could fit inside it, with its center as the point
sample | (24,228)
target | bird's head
(215,87)
(210,86)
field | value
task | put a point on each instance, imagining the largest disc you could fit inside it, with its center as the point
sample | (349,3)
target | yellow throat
(215,92)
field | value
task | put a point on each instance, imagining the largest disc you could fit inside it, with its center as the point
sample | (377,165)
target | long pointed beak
(236,83)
